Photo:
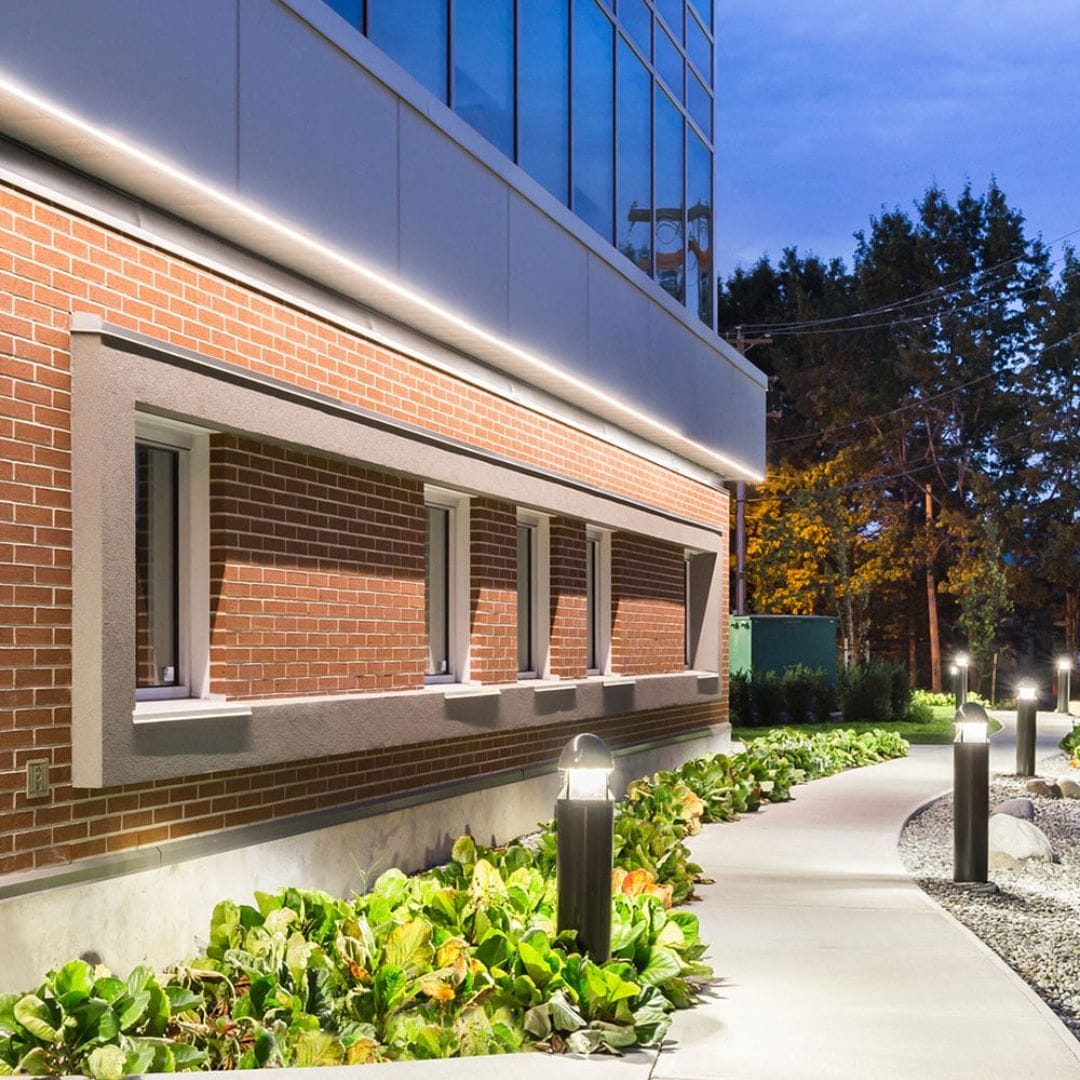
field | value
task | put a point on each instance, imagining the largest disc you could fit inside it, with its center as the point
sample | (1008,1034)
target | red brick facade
(648,585)
(316,566)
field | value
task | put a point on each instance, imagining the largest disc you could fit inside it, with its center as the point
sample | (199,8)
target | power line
(898,305)
(915,404)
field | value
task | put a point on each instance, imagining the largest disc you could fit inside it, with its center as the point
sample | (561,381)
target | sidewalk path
(834,964)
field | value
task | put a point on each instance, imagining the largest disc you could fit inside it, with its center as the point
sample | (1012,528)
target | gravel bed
(1031,921)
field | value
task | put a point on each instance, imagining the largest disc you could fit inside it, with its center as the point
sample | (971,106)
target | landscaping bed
(460,960)
(1031,921)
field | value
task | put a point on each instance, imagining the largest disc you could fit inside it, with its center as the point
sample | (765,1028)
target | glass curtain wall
(609,104)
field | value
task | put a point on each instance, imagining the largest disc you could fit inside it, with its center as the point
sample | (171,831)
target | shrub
(739,699)
(899,691)
(918,712)
(867,694)
(768,699)
(798,682)
(826,699)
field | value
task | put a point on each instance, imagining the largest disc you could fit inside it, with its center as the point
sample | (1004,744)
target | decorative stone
(1013,840)
(1069,788)
(1018,808)
(1041,787)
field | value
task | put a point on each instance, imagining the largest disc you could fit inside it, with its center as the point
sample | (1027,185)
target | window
(593,117)
(171,583)
(699,275)
(414,33)
(634,174)
(597,601)
(668,157)
(533,595)
(688,648)
(446,585)
(483,92)
(544,95)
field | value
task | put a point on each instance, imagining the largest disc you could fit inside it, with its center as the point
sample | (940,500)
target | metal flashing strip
(142,344)
(105,867)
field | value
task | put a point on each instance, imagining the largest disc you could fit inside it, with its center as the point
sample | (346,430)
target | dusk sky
(830,110)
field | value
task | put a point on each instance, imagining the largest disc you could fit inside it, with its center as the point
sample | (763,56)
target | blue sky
(831,109)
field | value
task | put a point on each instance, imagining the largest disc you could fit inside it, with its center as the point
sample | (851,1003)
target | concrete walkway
(834,963)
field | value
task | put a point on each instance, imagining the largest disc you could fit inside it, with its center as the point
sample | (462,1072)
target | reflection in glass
(699,103)
(633,225)
(526,553)
(413,32)
(669,195)
(157,653)
(699,48)
(637,19)
(544,95)
(699,280)
(669,63)
(483,93)
(704,9)
(437,590)
(593,134)
(671,10)
(352,11)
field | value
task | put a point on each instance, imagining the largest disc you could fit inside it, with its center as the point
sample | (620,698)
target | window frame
(457,583)
(599,540)
(192,446)
(539,593)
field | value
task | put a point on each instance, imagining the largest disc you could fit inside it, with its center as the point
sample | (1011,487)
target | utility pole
(743,345)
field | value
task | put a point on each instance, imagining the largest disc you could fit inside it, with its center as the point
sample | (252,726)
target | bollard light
(971,793)
(1064,670)
(584,831)
(1027,703)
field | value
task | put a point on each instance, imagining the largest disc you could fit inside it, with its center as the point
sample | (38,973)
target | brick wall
(53,262)
(648,632)
(568,620)
(316,574)
(493,591)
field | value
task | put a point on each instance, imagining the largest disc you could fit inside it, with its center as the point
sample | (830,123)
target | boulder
(1069,788)
(1018,808)
(1043,788)
(1013,840)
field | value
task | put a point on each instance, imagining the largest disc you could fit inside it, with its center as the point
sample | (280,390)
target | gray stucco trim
(111,380)
(104,867)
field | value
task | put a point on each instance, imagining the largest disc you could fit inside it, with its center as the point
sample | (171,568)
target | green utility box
(761,643)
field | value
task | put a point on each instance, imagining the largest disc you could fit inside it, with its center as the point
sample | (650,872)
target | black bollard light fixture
(971,793)
(1064,673)
(1027,702)
(584,831)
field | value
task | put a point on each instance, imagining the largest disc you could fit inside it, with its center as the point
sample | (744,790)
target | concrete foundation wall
(160,916)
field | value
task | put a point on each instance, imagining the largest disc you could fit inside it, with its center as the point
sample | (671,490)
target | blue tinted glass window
(672,10)
(699,103)
(699,48)
(704,9)
(633,217)
(668,164)
(669,63)
(352,11)
(483,92)
(637,19)
(593,104)
(413,32)
(699,270)
(544,94)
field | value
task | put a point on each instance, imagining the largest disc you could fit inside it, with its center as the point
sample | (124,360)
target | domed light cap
(586,764)
(1026,691)
(1064,663)
(972,723)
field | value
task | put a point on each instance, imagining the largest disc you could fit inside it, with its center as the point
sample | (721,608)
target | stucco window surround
(120,377)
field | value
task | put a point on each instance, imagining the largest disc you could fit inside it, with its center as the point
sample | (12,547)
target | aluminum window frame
(456,505)
(539,592)
(599,629)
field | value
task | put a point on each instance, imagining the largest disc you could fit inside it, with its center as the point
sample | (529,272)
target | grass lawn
(938,730)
